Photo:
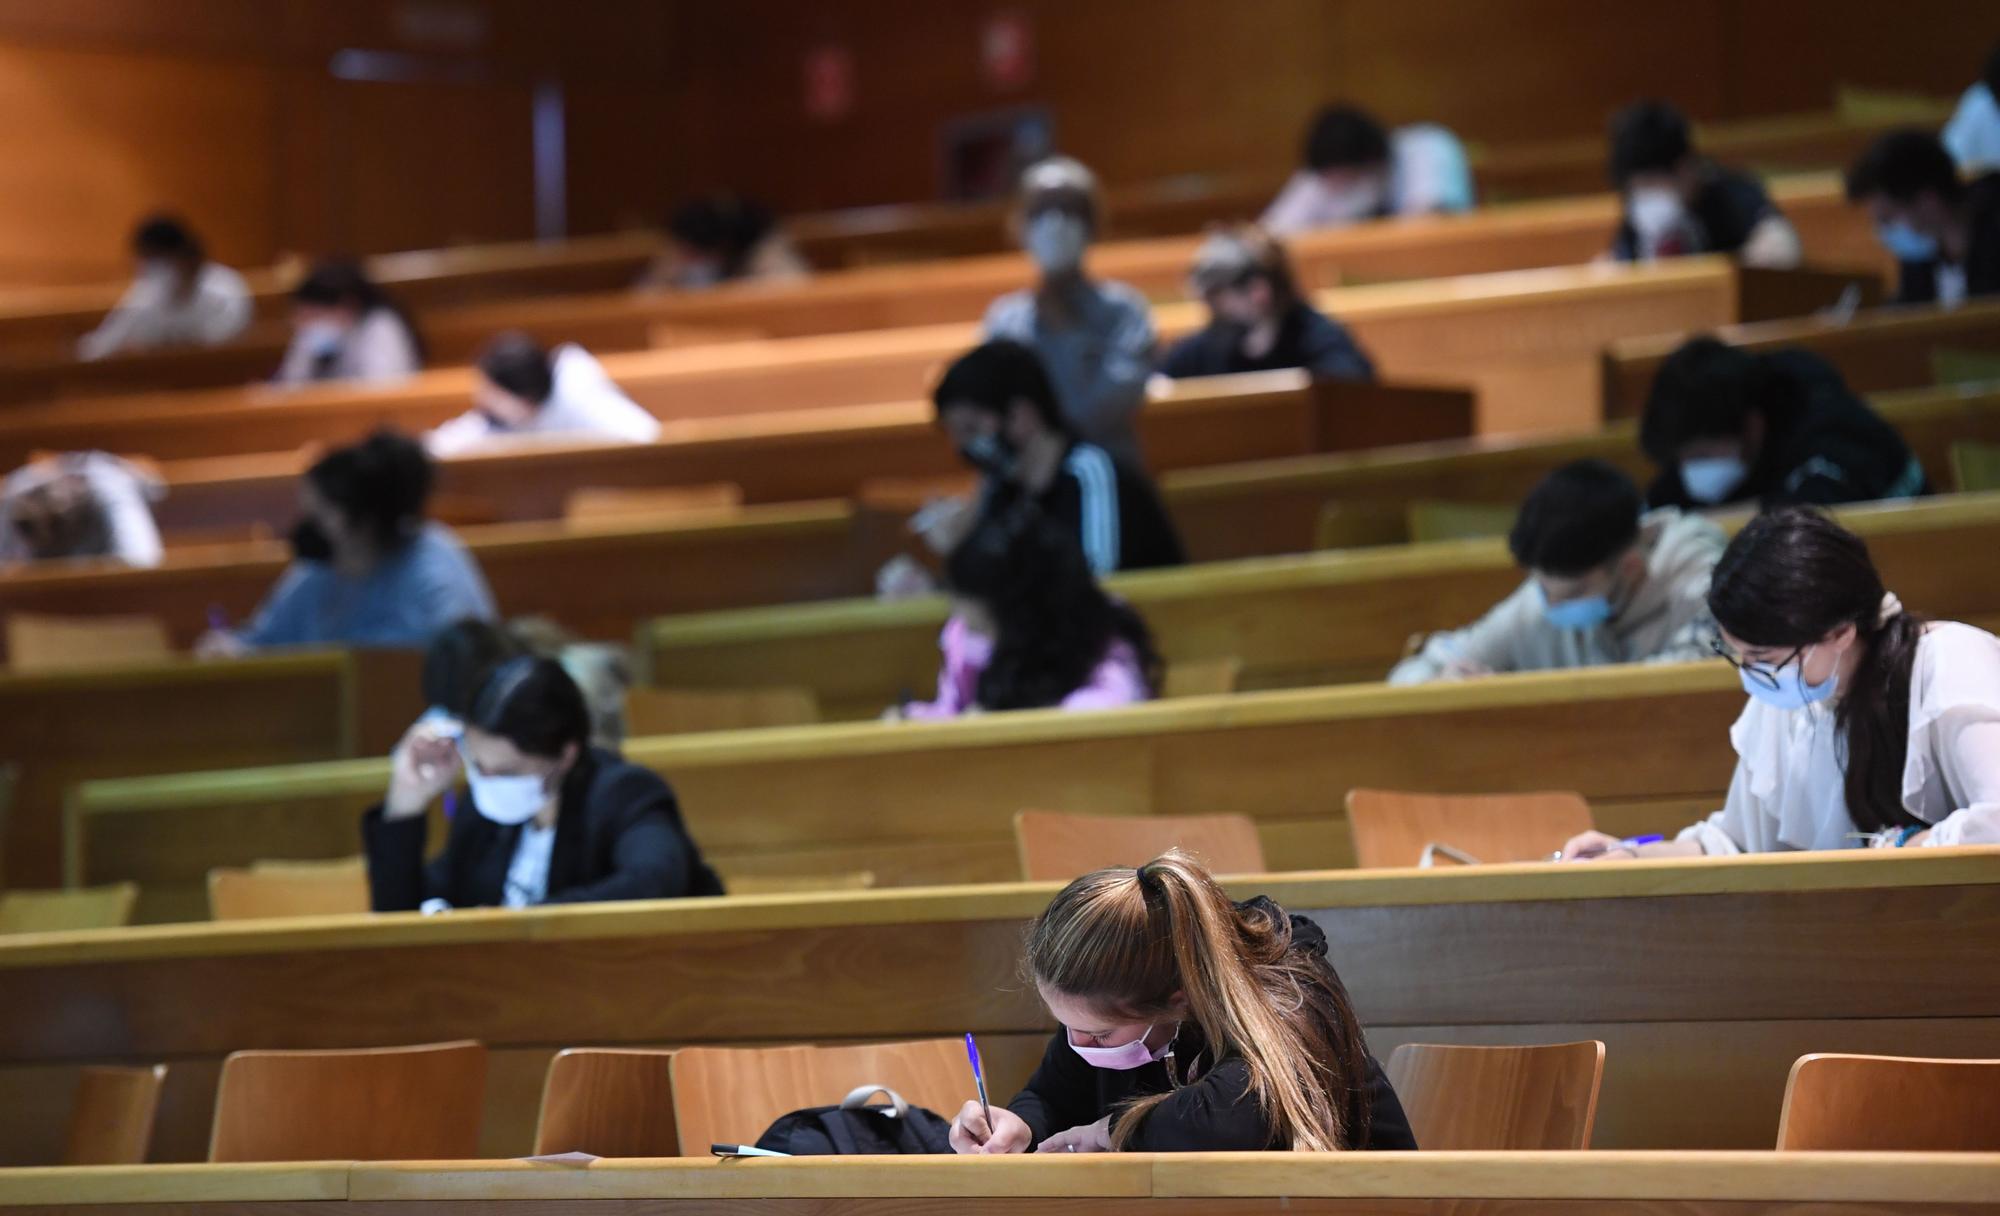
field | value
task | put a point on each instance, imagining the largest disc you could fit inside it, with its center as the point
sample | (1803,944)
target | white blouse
(584,404)
(1789,793)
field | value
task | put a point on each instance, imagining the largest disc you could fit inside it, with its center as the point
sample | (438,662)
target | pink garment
(1117,680)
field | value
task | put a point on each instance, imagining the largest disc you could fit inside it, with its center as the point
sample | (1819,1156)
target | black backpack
(857,1127)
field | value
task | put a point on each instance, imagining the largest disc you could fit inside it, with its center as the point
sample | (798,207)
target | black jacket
(618,836)
(1822,446)
(1307,338)
(1214,1113)
(1113,509)
(1916,282)
(1727,208)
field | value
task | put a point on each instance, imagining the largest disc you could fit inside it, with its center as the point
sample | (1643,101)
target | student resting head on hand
(1189,1023)
(1866,723)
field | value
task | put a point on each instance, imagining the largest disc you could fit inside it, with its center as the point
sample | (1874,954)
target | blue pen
(979,1079)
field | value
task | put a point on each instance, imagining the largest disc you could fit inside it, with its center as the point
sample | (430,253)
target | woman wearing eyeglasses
(1866,724)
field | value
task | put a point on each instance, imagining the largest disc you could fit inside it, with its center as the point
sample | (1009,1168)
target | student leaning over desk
(1189,1023)
(1866,723)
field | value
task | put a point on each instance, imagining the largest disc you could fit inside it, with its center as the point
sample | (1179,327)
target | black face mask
(310,542)
(990,454)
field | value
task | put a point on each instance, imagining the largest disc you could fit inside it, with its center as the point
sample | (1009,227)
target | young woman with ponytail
(1866,725)
(1189,1023)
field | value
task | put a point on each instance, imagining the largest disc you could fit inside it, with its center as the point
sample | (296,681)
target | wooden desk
(1702,1018)
(1696,1183)
(1324,618)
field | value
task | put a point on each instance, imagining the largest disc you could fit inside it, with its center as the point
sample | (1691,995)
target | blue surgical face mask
(1711,479)
(1905,243)
(1792,691)
(1585,612)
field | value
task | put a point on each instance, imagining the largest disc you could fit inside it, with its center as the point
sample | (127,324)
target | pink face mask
(1125,1056)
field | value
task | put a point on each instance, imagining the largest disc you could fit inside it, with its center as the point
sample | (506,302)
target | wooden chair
(65,643)
(798,884)
(730,1095)
(1843,1103)
(289,888)
(608,1103)
(1431,521)
(1361,525)
(112,1121)
(1499,1098)
(418,1103)
(596,505)
(60,911)
(1202,678)
(681,711)
(1056,847)
(1975,467)
(1392,829)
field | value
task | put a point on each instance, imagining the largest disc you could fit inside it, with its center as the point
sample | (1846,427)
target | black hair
(165,236)
(1790,578)
(532,703)
(1647,137)
(380,485)
(1053,622)
(1576,519)
(459,659)
(726,225)
(1990,74)
(994,375)
(1707,389)
(517,363)
(1344,136)
(1902,164)
(344,283)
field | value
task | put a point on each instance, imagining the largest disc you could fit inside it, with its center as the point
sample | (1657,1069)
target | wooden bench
(167,717)
(1335,617)
(1882,348)
(1702,1020)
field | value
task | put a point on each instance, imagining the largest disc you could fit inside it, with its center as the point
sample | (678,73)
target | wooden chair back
(730,1095)
(57,643)
(289,888)
(608,1103)
(1975,467)
(1499,1098)
(1056,847)
(1202,678)
(112,1120)
(1431,520)
(419,1103)
(60,911)
(1394,829)
(1852,1103)
(798,884)
(596,505)
(681,711)
(1361,525)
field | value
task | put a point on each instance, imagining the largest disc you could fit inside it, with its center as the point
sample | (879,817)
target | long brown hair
(1132,941)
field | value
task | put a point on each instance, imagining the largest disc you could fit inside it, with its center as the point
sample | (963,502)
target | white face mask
(507,800)
(322,337)
(1055,239)
(1362,201)
(1655,212)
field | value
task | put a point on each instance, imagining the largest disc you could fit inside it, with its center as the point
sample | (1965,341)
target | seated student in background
(1257,318)
(1095,339)
(721,238)
(1866,724)
(1678,202)
(80,505)
(458,659)
(525,391)
(999,408)
(1605,585)
(178,298)
(1354,170)
(371,571)
(1725,425)
(1031,629)
(1973,134)
(550,819)
(1189,1023)
(1943,232)
(344,327)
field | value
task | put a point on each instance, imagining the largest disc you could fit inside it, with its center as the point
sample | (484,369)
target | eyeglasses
(1758,673)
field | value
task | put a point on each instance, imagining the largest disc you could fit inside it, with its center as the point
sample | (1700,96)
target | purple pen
(979,1080)
(218,620)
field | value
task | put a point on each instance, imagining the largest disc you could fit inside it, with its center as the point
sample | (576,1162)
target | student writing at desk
(550,820)
(1190,1023)
(1866,723)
